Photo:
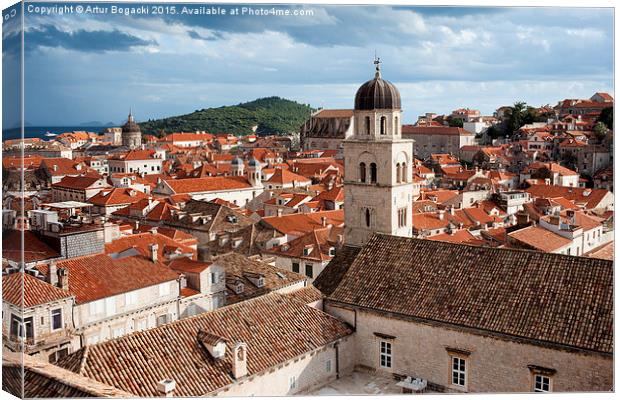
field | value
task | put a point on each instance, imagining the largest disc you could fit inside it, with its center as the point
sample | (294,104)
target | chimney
(323,221)
(52,274)
(451,210)
(63,279)
(240,361)
(153,248)
(279,211)
(166,387)
(440,214)
(136,226)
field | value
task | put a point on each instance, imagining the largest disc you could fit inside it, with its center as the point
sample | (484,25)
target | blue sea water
(40,131)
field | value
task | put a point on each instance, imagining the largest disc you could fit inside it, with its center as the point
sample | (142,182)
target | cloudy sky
(89,67)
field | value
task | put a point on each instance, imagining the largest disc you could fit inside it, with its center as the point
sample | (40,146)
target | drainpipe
(337,361)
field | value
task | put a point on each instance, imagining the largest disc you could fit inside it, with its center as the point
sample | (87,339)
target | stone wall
(492,364)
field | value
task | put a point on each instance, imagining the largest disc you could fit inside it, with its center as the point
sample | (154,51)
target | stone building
(326,129)
(273,345)
(475,319)
(429,140)
(37,316)
(131,136)
(378,165)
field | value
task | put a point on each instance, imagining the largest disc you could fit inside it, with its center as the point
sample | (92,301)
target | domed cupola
(377,93)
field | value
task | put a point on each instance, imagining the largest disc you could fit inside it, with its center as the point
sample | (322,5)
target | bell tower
(378,165)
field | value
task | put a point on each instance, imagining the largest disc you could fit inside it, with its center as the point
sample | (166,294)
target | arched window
(395,125)
(403,170)
(368,126)
(362,172)
(373,173)
(367,217)
(383,122)
(398,173)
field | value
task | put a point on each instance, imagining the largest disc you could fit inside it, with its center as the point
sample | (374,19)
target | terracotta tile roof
(283,176)
(604,252)
(135,155)
(27,377)
(275,328)
(65,166)
(185,264)
(239,267)
(303,223)
(208,184)
(187,137)
(462,236)
(116,196)
(539,297)
(99,276)
(590,198)
(538,238)
(318,242)
(142,241)
(34,249)
(307,295)
(334,114)
(24,290)
(434,130)
(79,182)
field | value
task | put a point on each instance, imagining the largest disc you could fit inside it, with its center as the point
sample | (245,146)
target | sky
(94,67)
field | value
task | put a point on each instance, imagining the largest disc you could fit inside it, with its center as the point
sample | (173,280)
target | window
(398,173)
(292,382)
(373,173)
(385,353)
(383,127)
(367,218)
(118,332)
(395,124)
(56,319)
(131,298)
(362,172)
(296,267)
(141,325)
(110,306)
(309,270)
(402,217)
(213,278)
(94,339)
(403,171)
(458,371)
(542,383)
(368,125)
(164,289)
(96,307)
(162,319)
(328,366)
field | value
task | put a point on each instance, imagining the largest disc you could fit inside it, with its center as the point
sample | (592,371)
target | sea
(40,131)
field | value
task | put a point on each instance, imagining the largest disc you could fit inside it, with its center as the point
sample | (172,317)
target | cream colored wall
(148,306)
(309,371)
(494,365)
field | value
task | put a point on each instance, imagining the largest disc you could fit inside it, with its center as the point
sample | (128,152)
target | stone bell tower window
(373,173)
(383,127)
(362,172)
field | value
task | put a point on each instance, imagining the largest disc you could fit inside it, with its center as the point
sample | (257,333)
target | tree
(520,114)
(607,117)
(455,122)
(600,130)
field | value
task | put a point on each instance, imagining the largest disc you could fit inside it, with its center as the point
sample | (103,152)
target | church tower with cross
(378,165)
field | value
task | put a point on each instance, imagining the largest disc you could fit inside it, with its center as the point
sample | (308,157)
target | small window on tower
(368,126)
(373,173)
(383,125)
(362,172)
(368,218)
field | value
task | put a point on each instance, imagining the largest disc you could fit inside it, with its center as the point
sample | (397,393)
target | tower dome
(237,161)
(377,93)
(130,133)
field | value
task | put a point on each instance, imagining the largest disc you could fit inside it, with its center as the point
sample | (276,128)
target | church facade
(378,166)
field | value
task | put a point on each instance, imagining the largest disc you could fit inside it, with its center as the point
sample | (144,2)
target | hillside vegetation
(271,116)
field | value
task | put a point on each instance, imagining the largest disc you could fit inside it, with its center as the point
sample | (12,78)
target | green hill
(272,116)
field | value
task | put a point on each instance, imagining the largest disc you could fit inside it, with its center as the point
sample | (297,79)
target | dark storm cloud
(82,40)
